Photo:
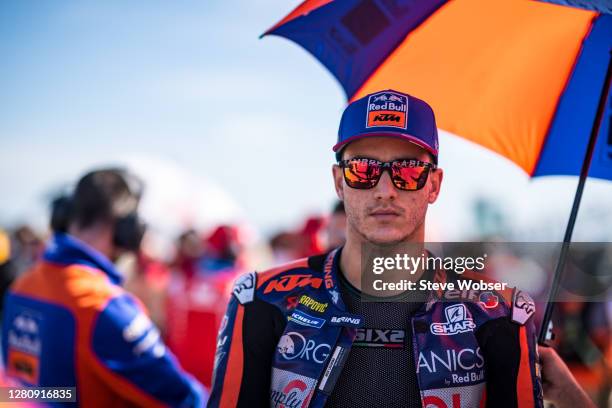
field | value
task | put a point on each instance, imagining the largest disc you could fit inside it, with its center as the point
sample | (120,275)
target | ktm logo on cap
(387,109)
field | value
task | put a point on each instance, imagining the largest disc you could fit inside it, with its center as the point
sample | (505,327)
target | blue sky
(190,83)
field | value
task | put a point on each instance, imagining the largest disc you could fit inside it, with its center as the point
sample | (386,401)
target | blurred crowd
(186,292)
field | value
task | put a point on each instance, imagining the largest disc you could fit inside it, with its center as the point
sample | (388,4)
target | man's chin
(383,238)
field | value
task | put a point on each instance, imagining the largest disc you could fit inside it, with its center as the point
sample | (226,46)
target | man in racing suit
(68,323)
(300,335)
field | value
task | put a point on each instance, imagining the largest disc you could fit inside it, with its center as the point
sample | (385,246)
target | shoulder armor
(244,287)
(523,307)
(284,278)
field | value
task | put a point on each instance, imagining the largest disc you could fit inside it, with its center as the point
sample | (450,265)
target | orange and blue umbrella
(527,79)
(520,77)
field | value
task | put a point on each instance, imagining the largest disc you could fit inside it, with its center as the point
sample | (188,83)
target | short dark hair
(102,196)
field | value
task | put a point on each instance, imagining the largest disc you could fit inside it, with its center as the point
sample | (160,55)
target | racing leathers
(287,334)
(68,323)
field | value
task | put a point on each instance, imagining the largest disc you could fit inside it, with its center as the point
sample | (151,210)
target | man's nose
(385,190)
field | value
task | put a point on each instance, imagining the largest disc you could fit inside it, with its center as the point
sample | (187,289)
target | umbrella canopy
(522,78)
(600,5)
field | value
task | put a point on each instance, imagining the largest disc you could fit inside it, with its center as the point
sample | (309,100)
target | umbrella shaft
(584,172)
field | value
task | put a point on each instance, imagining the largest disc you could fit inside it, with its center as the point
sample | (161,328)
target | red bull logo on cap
(387,108)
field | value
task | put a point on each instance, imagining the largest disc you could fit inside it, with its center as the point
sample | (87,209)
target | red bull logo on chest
(387,109)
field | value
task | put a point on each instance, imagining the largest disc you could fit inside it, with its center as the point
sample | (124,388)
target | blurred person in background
(223,250)
(286,246)
(189,251)
(312,236)
(7,268)
(148,277)
(67,322)
(335,230)
(27,248)
(201,282)
(308,240)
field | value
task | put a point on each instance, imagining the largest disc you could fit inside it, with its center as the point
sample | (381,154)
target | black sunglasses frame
(387,166)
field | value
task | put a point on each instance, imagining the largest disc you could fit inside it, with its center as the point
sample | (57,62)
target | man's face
(385,214)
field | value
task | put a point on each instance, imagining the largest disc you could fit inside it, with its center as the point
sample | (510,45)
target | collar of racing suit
(64,249)
(319,335)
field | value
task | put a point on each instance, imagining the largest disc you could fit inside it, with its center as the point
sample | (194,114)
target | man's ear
(338,181)
(435,179)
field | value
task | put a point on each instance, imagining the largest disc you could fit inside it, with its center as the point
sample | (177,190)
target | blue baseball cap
(389,113)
